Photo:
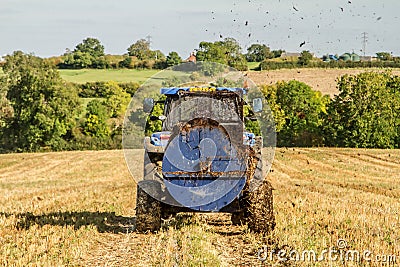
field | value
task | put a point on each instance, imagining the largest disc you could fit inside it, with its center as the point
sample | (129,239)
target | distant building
(191,58)
(350,57)
(368,58)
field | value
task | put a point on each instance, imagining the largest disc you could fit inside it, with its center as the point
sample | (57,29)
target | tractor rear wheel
(256,209)
(148,212)
(259,214)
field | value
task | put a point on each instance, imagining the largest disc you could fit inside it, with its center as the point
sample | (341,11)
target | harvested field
(77,209)
(323,80)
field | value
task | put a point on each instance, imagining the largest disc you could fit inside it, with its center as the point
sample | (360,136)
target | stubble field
(77,209)
(323,80)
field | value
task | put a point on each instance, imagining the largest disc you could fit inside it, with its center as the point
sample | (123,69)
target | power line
(149,37)
(364,42)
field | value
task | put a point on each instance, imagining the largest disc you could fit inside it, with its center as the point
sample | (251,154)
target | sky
(48,27)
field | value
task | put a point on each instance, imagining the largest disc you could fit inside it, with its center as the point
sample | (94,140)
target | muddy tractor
(202,159)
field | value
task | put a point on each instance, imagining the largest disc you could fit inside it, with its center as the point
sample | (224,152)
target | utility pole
(149,37)
(364,42)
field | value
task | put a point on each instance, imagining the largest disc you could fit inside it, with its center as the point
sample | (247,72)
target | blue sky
(48,27)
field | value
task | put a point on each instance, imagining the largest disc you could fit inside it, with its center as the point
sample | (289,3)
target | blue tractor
(203,159)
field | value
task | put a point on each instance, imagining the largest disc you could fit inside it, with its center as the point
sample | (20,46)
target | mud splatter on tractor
(204,160)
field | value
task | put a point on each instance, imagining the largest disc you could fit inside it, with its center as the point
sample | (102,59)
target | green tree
(157,55)
(91,46)
(270,94)
(227,52)
(6,110)
(104,118)
(209,51)
(88,54)
(127,62)
(140,49)
(305,58)
(95,124)
(116,99)
(384,56)
(365,113)
(173,58)
(277,53)
(298,111)
(153,126)
(44,106)
(78,60)
(258,53)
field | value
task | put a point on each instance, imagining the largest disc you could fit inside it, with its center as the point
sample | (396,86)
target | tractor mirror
(148,104)
(257,105)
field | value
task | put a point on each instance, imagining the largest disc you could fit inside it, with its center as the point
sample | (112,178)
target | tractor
(203,159)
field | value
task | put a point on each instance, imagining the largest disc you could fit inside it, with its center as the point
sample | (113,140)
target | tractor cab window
(185,108)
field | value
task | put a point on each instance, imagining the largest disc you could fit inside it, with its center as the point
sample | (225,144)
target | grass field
(252,65)
(77,209)
(94,75)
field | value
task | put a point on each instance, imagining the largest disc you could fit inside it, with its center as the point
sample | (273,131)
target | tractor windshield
(226,106)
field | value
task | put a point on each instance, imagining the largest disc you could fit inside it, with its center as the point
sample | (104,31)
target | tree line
(90,53)
(41,112)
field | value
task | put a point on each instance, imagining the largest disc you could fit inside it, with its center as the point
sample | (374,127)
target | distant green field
(252,65)
(94,75)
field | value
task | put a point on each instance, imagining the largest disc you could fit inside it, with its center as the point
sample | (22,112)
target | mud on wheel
(257,209)
(148,212)
(256,206)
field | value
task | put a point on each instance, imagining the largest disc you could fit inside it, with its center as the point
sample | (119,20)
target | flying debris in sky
(303,43)
(379,18)
(246,23)
(295,8)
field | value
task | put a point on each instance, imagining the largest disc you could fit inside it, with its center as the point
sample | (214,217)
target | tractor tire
(256,203)
(148,212)
(256,210)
